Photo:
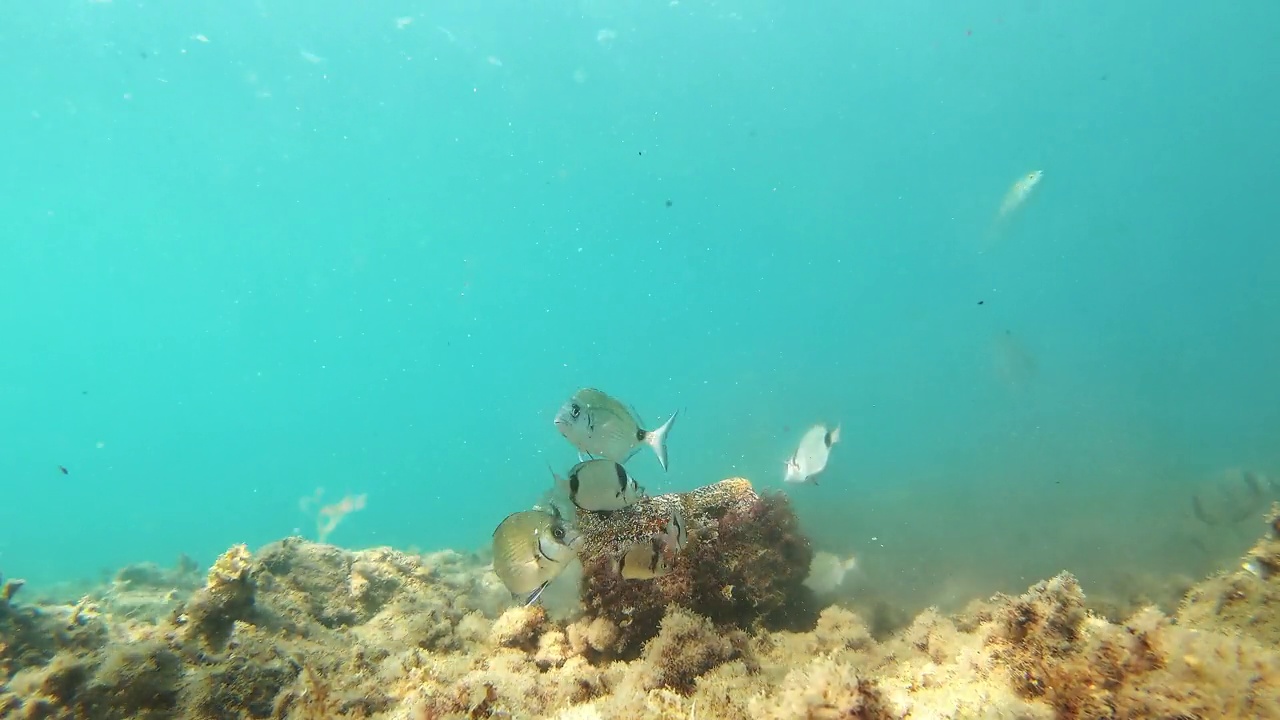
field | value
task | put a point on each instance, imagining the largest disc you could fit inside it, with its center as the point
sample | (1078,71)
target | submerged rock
(744,567)
(298,631)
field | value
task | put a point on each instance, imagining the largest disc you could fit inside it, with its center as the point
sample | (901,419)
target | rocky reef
(745,564)
(299,630)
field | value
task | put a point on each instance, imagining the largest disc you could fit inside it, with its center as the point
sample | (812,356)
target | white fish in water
(600,485)
(601,426)
(811,457)
(1015,198)
(655,557)
(530,549)
(1018,193)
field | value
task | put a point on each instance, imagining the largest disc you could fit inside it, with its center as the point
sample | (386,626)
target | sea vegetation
(299,630)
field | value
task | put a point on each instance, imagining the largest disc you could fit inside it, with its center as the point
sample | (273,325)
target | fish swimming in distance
(1018,194)
(530,549)
(811,457)
(600,485)
(601,426)
(1014,198)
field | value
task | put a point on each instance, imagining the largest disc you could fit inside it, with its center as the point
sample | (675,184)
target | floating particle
(63,469)
(403,22)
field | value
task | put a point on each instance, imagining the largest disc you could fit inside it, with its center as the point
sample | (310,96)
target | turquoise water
(252,249)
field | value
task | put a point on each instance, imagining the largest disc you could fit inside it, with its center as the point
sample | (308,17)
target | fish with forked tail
(601,426)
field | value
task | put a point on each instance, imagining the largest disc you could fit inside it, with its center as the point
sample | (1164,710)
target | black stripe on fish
(573,485)
(542,552)
(657,555)
(640,434)
(826,439)
(622,478)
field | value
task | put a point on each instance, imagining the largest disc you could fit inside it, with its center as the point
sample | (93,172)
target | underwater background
(257,248)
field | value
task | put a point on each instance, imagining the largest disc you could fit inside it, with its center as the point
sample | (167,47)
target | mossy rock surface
(744,565)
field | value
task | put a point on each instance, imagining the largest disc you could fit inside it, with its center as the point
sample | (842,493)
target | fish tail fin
(533,596)
(833,436)
(657,439)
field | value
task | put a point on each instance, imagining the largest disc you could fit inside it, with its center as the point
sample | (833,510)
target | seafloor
(303,630)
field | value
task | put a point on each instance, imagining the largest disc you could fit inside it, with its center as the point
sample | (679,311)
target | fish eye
(575,410)
(557,532)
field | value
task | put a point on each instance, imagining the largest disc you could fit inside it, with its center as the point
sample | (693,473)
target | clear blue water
(253,248)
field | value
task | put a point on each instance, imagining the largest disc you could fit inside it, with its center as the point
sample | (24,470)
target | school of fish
(531,548)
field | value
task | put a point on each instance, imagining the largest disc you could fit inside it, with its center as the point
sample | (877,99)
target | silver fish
(676,535)
(656,557)
(530,549)
(811,457)
(645,561)
(601,426)
(600,485)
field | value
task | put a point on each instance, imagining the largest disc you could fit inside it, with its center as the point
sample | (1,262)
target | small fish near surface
(655,557)
(600,485)
(1015,198)
(1018,193)
(811,457)
(601,426)
(530,549)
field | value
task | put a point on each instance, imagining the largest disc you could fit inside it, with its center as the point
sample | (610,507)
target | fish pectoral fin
(533,597)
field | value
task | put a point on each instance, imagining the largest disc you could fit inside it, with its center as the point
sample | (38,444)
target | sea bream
(600,485)
(530,549)
(655,557)
(600,426)
(811,457)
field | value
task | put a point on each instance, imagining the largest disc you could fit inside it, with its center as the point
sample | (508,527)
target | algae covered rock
(744,566)
(1246,600)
